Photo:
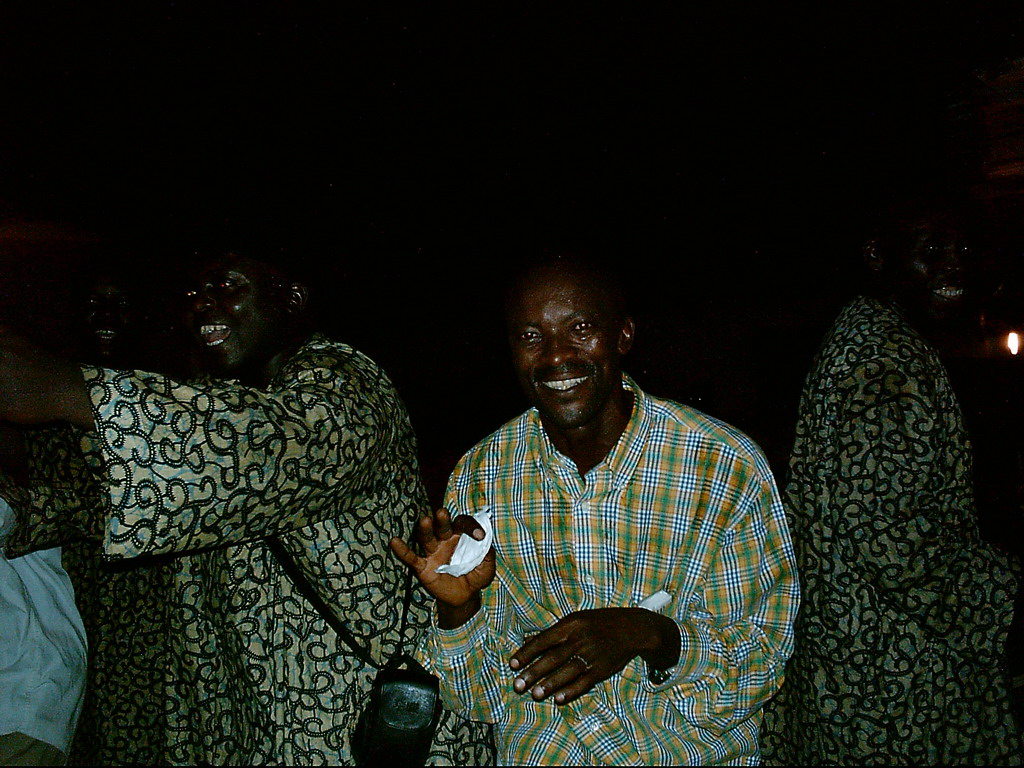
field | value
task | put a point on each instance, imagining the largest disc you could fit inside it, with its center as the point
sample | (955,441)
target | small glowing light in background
(1013,342)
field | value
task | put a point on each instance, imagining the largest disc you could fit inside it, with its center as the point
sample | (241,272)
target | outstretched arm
(38,387)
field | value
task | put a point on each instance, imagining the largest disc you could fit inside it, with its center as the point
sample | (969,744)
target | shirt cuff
(461,640)
(693,659)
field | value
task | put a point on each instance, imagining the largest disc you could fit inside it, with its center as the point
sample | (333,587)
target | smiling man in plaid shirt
(603,496)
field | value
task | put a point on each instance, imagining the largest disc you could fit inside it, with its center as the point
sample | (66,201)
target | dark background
(724,153)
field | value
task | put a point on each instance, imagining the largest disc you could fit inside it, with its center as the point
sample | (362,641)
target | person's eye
(529,337)
(584,328)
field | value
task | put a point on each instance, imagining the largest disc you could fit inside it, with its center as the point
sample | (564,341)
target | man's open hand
(458,596)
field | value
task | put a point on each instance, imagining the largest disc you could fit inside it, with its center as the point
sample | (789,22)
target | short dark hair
(891,223)
(600,272)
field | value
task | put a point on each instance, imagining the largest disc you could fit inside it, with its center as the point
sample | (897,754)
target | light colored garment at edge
(902,631)
(325,459)
(123,607)
(42,646)
(683,503)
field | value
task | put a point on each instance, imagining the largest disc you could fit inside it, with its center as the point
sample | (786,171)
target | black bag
(401,716)
(399,723)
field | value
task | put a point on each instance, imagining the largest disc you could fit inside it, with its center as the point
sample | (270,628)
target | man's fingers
(539,669)
(442,524)
(565,679)
(425,533)
(430,533)
(405,554)
(467,524)
(574,689)
(536,646)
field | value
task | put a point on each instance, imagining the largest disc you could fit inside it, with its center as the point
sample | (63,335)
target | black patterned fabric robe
(901,634)
(325,459)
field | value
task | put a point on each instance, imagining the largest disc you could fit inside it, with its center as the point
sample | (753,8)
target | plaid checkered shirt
(683,503)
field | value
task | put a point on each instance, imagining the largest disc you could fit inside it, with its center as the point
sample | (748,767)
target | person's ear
(873,257)
(296,297)
(626,334)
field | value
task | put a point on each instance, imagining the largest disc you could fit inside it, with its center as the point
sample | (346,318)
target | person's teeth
(564,384)
(214,334)
(950,292)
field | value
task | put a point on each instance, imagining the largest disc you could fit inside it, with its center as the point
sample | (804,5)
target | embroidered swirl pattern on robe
(324,458)
(901,635)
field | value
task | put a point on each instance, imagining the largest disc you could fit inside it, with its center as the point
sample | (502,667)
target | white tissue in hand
(469,552)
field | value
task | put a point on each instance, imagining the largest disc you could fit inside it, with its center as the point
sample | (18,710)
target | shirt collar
(623,458)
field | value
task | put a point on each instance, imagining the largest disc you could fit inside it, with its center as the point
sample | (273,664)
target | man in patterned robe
(300,438)
(602,498)
(901,634)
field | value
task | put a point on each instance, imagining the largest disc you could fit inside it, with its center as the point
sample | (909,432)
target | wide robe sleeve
(62,501)
(195,466)
(901,497)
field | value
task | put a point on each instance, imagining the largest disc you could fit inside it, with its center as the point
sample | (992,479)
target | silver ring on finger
(581,660)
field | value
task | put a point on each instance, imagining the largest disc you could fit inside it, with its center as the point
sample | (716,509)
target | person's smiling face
(567,341)
(936,266)
(108,316)
(926,274)
(236,311)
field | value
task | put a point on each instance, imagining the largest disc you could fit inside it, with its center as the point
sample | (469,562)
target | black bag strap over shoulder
(404,708)
(307,590)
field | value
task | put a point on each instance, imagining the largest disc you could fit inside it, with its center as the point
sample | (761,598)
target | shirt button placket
(583,543)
